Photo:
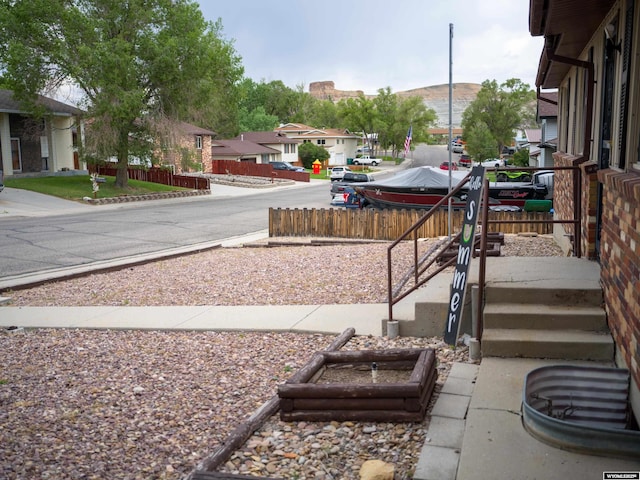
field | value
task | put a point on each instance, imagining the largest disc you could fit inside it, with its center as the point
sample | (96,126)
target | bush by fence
(376,224)
(157,175)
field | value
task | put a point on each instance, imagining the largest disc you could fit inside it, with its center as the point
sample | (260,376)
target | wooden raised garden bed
(340,386)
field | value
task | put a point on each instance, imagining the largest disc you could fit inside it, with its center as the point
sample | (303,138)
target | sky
(371,44)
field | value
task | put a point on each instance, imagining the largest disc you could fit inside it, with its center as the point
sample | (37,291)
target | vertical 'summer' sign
(456,302)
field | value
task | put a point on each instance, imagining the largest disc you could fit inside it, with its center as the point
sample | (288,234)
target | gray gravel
(78,404)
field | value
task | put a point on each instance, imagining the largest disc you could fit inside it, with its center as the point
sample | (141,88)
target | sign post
(465,250)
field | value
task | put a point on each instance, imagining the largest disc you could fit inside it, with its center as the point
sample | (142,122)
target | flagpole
(450,124)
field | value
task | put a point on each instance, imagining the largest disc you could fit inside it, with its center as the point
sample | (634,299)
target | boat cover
(427,177)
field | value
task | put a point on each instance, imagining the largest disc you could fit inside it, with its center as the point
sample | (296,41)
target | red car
(465,160)
(445,166)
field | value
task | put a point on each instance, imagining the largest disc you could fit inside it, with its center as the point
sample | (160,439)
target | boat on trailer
(424,187)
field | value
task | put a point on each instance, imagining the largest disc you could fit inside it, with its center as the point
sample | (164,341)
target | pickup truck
(337,188)
(366,160)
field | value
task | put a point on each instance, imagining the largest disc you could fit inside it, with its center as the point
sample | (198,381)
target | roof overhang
(567,27)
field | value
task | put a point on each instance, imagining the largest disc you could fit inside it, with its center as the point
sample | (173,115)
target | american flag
(407,142)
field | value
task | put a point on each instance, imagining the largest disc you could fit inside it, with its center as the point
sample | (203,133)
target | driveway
(23,203)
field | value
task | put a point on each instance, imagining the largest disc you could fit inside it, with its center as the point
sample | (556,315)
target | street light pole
(450,122)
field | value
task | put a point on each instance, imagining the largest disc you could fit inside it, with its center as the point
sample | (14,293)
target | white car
(338,172)
(493,163)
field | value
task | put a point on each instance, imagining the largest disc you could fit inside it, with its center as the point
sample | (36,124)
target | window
(199,142)
(321,141)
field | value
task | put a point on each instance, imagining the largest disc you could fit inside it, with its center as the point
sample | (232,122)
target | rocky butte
(435,97)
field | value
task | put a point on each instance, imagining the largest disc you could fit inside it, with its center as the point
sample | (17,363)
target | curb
(150,196)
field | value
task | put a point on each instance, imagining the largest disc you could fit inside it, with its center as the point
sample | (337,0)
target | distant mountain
(436,97)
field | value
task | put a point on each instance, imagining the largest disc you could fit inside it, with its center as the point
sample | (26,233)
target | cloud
(368,45)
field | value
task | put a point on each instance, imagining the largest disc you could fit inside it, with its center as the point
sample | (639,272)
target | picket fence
(374,224)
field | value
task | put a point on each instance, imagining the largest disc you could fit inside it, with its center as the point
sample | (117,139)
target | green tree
(359,115)
(257,120)
(480,143)
(321,113)
(141,66)
(521,158)
(310,152)
(502,109)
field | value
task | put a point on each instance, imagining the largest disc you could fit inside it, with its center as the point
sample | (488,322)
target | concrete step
(561,344)
(545,317)
(551,294)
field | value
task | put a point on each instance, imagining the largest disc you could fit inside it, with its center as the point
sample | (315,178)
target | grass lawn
(80,186)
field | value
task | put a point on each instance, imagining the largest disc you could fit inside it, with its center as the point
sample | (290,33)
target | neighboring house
(547,117)
(190,149)
(533,137)
(592,57)
(48,145)
(288,147)
(340,143)
(243,151)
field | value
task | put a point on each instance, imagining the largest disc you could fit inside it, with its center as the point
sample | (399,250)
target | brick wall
(563,203)
(620,262)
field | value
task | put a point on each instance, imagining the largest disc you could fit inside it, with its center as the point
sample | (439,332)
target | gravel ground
(77,404)
(291,275)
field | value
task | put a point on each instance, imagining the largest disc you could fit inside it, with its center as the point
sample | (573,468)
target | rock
(376,470)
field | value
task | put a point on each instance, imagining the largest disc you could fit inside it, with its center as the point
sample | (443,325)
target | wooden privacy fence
(252,169)
(157,175)
(389,224)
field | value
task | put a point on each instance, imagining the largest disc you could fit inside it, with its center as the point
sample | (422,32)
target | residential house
(190,149)
(340,143)
(591,56)
(241,150)
(547,116)
(30,146)
(532,140)
(288,147)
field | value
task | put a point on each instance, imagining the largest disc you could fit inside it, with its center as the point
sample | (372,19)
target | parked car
(458,148)
(286,166)
(338,187)
(338,172)
(465,160)
(445,166)
(364,149)
(493,162)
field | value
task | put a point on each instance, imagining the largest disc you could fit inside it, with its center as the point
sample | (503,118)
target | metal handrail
(485,222)
(416,263)
(420,267)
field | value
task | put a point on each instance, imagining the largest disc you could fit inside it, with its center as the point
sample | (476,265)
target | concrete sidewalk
(330,319)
